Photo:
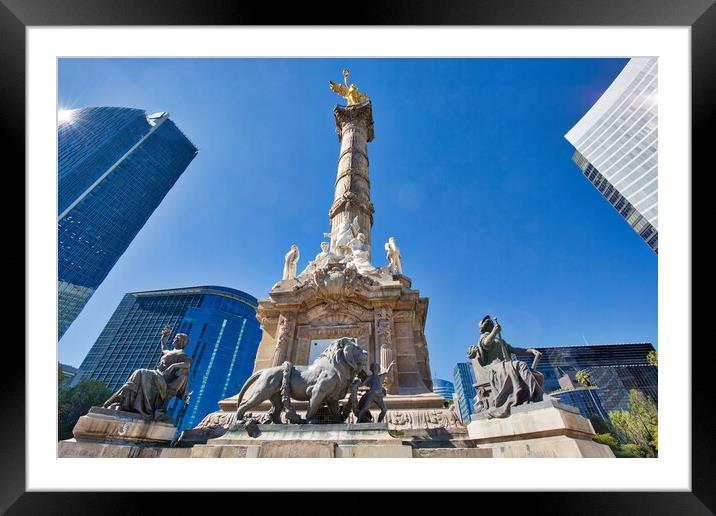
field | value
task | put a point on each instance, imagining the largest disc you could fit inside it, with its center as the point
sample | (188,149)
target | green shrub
(607,439)
(639,424)
(630,450)
(74,402)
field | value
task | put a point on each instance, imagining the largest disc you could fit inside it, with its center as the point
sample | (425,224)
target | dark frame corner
(700,15)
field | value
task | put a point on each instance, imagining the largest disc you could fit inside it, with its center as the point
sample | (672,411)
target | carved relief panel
(385,346)
(284,338)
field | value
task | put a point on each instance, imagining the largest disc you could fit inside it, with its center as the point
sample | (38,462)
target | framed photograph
(496,161)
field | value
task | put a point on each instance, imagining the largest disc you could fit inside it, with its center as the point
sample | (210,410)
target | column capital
(357,114)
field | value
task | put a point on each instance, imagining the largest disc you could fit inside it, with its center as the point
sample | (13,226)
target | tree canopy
(74,402)
(639,424)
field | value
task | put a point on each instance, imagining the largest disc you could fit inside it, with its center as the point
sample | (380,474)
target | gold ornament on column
(348,91)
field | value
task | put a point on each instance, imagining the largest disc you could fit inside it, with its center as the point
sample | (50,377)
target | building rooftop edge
(609,97)
(215,288)
(149,116)
(599,345)
(467,361)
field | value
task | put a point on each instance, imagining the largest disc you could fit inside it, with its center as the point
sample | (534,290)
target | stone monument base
(426,400)
(71,448)
(544,429)
(114,433)
(426,426)
(361,440)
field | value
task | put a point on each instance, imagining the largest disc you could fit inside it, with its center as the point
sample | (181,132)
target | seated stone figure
(360,254)
(148,391)
(505,382)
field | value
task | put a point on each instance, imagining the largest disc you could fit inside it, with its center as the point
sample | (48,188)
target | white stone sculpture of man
(321,257)
(290,262)
(343,234)
(395,265)
(360,254)
(319,261)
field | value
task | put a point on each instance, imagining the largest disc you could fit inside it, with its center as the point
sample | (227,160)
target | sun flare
(64,116)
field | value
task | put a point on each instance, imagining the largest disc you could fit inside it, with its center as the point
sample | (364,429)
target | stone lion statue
(327,380)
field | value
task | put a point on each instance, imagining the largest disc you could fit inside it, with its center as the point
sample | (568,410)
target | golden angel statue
(348,91)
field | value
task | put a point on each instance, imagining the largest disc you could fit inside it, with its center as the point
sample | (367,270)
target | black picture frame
(700,15)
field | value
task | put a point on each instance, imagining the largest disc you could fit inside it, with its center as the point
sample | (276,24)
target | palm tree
(584,378)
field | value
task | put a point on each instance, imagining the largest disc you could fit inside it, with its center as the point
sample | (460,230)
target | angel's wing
(338,88)
(355,225)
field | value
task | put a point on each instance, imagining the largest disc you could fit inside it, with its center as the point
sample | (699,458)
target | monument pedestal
(363,440)
(113,433)
(544,429)
(419,420)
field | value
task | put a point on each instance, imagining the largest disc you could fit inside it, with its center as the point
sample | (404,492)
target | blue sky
(469,170)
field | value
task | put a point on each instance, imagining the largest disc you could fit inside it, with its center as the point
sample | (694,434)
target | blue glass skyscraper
(115,165)
(589,404)
(444,388)
(465,389)
(223,332)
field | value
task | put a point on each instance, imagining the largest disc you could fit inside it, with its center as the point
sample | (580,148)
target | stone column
(354,125)
(421,345)
(284,337)
(385,347)
(421,355)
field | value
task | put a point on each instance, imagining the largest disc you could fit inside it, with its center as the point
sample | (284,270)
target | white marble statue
(395,265)
(322,257)
(343,234)
(360,254)
(319,261)
(290,262)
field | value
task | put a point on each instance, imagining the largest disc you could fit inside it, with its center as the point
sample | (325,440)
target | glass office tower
(614,368)
(224,337)
(589,404)
(115,165)
(443,388)
(616,146)
(465,389)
